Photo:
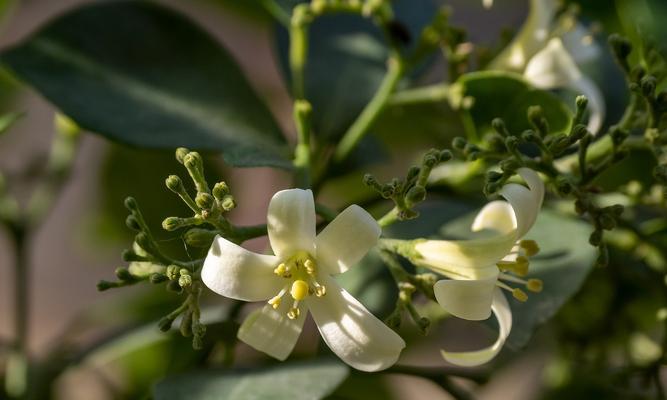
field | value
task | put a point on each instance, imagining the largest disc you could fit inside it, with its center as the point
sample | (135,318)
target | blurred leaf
(296,381)
(564,261)
(8,120)
(144,75)
(346,62)
(371,283)
(506,95)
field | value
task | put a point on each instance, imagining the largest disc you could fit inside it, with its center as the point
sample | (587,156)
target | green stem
(298,52)
(276,11)
(302,164)
(370,113)
(389,218)
(426,94)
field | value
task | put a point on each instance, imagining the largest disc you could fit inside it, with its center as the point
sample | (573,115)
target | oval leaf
(296,381)
(145,75)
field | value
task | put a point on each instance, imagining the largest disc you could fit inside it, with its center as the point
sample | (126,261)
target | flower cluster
(298,277)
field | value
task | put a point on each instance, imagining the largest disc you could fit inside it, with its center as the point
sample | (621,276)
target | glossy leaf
(147,76)
(506,95)
(297,381)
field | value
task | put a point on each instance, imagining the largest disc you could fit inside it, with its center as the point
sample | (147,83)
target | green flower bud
(430,159)
(648,85)
(416,194)
(132,223)
(185,281)
(204,201)
(369,180)
(173,272)
(512,142)
(596,238)
(559,143)
(578,132)
(105,285)
(171,223)
(423,324)
(603,257)
(123,274)
(563,186)
(413,172)
(181,152)
(530,136)
(581,102)
(445,155)
(174,183)
(498,125)
(620,46)
(158,278)
(607,222)
(228,203)
(637,74)
(130,203)
(220,190)
(459,143)
(509,165)
(193,160)
(494,176)
(165,323)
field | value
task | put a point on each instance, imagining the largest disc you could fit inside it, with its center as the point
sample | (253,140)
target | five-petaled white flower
(298,279)
(478,267)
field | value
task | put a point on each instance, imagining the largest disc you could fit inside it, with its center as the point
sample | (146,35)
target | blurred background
(81,240)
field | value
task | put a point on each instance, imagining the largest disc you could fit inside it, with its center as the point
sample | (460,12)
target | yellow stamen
(280,270)
(530,247)
(310,266)
(293,313)
(519,295)
(275,301)
(299,290)
(320,290)
(534,285)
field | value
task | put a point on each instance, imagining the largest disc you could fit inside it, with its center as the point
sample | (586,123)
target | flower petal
(271,331)
(467,299)
(525,202)
(553,67)
(347,239)
(497,215)
(352,332)
(234,272)
(473,358)
(467,259)
(291,222)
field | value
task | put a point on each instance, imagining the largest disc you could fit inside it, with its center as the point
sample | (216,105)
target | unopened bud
(130,203)
(220,190)
(173,272)
(185,281)
(511,142)
(607,222)
(165,323)
(581,102)
(158,278)
(459,143)
(618,135)
(416,194)
(181,152)
(132,223)
(499,126)
(530,136)
(596,238)
(445,155)
(105,285)
(204,201)
(620,46)
(228,203)
(494,176)
(509,165)
(174,183)
(123,274)
(563,186)
(578,132)
(171,223)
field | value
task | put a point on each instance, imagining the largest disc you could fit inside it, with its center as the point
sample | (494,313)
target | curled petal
(234,272)
(291,222)
(525,202)
(497,215)
(466,259)
(347,239)
(503,313)
(487,3)
(271,331)
(553,67)
(352,332)
(467,299)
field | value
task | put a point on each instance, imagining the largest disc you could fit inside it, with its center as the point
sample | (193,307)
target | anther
(320,290)
(519,295)
(530,247)
(294,312)
(275,301)
(534,285)
(280,270)
(310,266)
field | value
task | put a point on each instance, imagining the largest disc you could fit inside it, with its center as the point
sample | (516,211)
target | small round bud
(512,142)
(228,203)
(193,160)
(620,45)
(603,257)
(563,186)
(459,143)
(430,160)
(648,85)
(416,194)
(204,201)
(220,190)
(445,155)
(607,222)
(596,238)
(123,274)
(181,152)
(494,176)
(174,183)
(130,203)
(171,223)
(473,155)
(185,281)
(158,278)
(424,324)
(369,180)
(509,165)
(636,74)
(618,135)
(498,125)
(530,136)
(559,143)
(165,323)
(105,285)
(173,272)
(132,223)
(413,172)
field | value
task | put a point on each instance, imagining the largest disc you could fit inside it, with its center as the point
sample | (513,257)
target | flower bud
(220,190)
(193,160)
(445,155)
(511,142)
(228,203)
(494,176)
(618,135)
(416,194)
(620,46)
(158,278)
(204,201)
(530,136)
(123,274)
(413,172)
(181,152)
(459,143)
(132,223)
(173,272)
(607,222)
(174,183)
(171,223)
(509,165)
(130,203)
(581,102)
(648,85)
(185,281)
(498,125)
(105,285)
(563,186)
(165,323)
(596,238)
(578,132)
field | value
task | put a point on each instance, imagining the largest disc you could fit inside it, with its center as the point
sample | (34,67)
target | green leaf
(296,381)
(142,74)
(8,120)
(506,95)
(346,62)
(564,261)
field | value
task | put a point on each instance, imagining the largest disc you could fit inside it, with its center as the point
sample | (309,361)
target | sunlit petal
(503,313)
(347,239)
(352,332)
(234,272)
(271,331)
(467,299)
(525,202)
(291,222)
(497,216)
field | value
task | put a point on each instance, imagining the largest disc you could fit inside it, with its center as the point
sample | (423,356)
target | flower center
(300,271)
(514,269)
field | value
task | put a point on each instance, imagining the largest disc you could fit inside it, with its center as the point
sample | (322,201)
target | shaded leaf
(145,75)
(297,381)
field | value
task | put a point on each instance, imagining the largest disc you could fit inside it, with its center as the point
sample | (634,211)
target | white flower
(478,267)
(553,67)
(547,55)
(298,278)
